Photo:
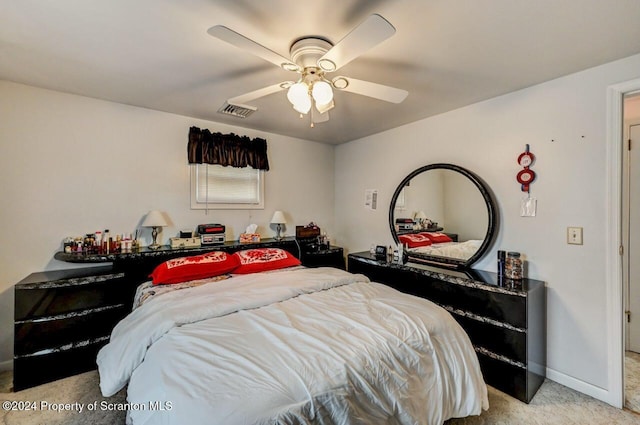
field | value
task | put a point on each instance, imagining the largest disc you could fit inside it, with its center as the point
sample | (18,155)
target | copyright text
(81,407)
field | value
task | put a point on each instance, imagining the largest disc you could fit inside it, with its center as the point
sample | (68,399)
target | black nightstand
(329,257)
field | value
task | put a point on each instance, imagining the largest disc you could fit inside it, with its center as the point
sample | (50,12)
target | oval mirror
(444,215)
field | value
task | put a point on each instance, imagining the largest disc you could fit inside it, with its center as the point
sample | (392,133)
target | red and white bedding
(293,346)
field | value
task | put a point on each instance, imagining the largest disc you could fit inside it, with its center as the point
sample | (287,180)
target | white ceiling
(447,54)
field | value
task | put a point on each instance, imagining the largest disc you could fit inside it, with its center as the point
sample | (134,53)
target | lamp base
(278,229)
(154,234)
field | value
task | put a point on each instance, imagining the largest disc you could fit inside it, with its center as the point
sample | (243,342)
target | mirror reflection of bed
(443,213)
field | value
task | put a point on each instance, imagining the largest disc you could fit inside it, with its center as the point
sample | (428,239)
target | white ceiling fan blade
(256,94)
(374,30)
(242,42)
(377,91)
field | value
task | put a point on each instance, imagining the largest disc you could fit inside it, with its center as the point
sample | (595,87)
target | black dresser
(505,322)
(328,256)
(63,317)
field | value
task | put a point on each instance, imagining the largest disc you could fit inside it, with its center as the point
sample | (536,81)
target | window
(218,187)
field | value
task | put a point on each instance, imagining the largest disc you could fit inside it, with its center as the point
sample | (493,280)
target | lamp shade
(421,215)
(278,218)
(154,219)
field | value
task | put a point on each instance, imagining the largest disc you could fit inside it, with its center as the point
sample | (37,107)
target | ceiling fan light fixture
(312,57)
(322,92)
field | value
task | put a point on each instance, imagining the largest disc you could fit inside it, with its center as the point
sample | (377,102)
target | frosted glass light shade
(322,92)
(303,106)
(278,218)
(298,95)
(154,219)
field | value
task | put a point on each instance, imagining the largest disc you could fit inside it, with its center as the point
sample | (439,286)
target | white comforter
(303,346)
(460,250)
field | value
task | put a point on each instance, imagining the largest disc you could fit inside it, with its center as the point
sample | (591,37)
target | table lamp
(278,218)
(154,220)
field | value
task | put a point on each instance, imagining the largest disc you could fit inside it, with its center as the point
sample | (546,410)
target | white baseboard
(8,365)
(581,386)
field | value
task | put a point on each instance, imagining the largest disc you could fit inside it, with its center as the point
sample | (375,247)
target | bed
(439,245)
(290,345)
(459,250)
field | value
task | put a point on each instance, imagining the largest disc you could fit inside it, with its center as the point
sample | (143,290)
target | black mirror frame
(491,210)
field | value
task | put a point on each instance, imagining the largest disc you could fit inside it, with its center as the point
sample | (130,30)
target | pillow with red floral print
(263,259)
(437,237)
(414,240)
(184,269)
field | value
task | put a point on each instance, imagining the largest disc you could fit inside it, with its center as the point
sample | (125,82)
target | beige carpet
(632,381)
(553,404)
(82,389)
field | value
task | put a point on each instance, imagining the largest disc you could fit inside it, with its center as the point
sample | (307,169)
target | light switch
(574,235)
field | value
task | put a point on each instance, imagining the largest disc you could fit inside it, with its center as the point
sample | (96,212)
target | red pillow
(184,269)
(437,237)
(263,259)
(414,240)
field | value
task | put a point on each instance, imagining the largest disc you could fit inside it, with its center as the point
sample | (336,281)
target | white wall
(71,165)
(465,208)
(564,121)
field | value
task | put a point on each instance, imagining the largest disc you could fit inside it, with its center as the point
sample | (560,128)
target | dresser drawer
(501,307)
(508,342)
(54,298)
(519,382)
(29,371)
(504,376)
(34,335)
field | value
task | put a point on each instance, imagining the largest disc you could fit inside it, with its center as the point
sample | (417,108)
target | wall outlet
(574,235)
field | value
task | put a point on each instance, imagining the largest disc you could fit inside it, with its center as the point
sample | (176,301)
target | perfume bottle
(502,256)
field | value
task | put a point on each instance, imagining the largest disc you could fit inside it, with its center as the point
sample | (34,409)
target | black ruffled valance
(205,147)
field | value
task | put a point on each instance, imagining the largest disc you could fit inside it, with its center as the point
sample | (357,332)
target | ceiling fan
(314,58)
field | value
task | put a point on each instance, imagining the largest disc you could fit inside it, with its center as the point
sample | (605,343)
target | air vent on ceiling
(242,111)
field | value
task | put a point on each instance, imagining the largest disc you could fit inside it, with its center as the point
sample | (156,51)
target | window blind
(216,184)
